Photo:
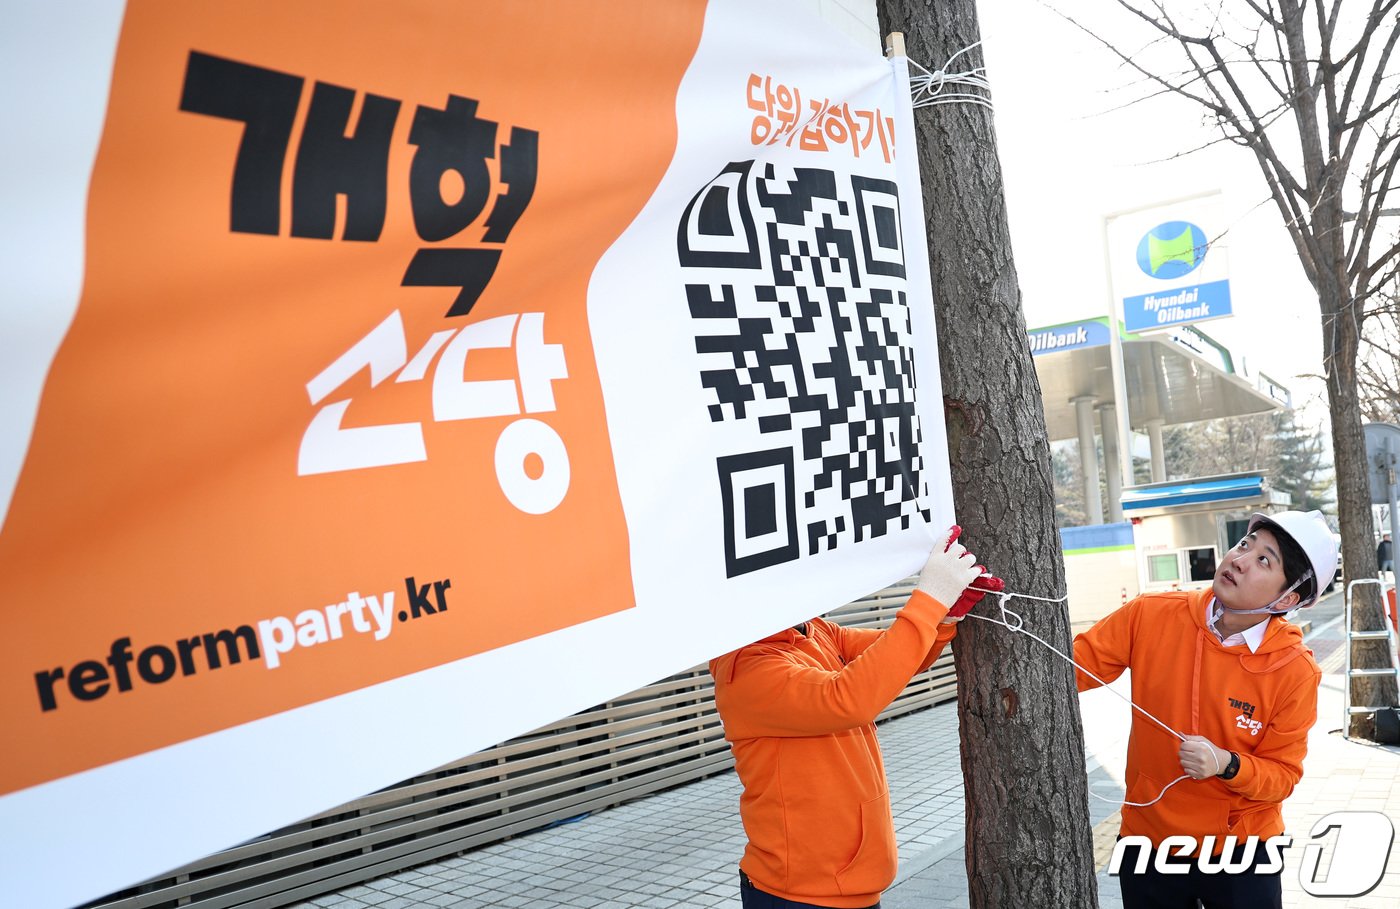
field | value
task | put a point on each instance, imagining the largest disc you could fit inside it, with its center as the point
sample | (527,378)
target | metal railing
(656,737)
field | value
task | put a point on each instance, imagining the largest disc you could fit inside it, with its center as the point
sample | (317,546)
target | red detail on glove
(981,585)
(953,533)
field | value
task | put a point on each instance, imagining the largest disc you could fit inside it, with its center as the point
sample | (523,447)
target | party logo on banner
(329,404)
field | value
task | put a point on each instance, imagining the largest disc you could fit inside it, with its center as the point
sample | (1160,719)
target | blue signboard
(1191,303)
(1071,336)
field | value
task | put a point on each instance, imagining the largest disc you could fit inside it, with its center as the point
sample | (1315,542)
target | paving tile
(398,902)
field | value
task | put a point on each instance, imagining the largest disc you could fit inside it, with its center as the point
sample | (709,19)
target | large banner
(382,381)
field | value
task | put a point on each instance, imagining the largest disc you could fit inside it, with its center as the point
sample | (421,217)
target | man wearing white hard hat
(1226,670)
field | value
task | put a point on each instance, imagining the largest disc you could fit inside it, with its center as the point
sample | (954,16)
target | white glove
(948,571)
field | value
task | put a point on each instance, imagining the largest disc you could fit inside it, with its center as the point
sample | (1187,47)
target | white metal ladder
(1385,633)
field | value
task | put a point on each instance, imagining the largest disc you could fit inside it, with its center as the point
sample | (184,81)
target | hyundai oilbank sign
(1169,267)
(1070,336)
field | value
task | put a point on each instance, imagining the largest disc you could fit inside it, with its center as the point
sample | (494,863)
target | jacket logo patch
(1245,719)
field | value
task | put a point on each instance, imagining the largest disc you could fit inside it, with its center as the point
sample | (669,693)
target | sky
(1073,149)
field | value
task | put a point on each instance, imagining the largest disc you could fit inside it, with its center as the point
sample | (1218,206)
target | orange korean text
(819,125)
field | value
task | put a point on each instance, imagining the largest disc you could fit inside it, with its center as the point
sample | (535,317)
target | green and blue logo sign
(1179,289)
(1171,250)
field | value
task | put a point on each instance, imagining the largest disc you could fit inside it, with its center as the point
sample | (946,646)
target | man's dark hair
(1295,562)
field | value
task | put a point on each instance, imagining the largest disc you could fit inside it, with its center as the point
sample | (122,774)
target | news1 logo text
(1358,857)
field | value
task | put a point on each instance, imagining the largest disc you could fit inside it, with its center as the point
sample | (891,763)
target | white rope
(926,86)
(1141,804)
(1020,626)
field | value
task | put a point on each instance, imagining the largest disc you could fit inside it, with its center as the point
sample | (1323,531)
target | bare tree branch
(1373,20)
(1309,165)
(1386,277)
(1376,81)
(1329,86)
(1285,94)
(1266,16)
(1359,264)
(1283,185)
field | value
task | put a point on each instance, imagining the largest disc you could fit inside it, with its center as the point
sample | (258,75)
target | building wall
(1167,535)
(1101,570)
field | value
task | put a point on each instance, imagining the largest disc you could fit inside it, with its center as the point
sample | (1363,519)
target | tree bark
(1341,344)
(1028,836)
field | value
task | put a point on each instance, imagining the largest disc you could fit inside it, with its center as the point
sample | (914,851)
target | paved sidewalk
(680,848)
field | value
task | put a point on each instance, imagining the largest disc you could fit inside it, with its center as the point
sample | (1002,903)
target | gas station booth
(1182,528)
(1161,534)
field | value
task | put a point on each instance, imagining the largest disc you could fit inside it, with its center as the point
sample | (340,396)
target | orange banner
(285,236)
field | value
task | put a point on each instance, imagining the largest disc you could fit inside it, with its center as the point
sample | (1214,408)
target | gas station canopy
(1175,376)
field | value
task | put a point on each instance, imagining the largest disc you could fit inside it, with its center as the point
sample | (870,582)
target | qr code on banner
(795,282)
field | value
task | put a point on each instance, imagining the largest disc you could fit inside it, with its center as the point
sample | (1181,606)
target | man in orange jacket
(1225,669)
(799,711)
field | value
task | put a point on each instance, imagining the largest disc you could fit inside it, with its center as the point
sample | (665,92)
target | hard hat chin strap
(1270,608)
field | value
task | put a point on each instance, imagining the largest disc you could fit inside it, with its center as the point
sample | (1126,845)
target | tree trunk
(1028,836)
(1341,343)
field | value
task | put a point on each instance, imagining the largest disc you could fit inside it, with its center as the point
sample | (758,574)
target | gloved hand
(949,570)
(982,585)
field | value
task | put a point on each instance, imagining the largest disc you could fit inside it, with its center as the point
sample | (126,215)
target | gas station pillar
(1159,453)
(1113,474)
(1088,458)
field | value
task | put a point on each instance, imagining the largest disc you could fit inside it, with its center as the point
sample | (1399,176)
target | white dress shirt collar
(1252,636)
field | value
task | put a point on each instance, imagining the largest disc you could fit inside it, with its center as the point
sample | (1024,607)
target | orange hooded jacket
(1259,705)
(799,712)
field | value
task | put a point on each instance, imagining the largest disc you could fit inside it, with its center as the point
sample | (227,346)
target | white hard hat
(1310,531)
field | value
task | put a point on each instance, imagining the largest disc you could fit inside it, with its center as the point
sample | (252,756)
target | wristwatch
(1231,768)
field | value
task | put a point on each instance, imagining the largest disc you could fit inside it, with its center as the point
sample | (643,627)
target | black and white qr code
(795,282)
